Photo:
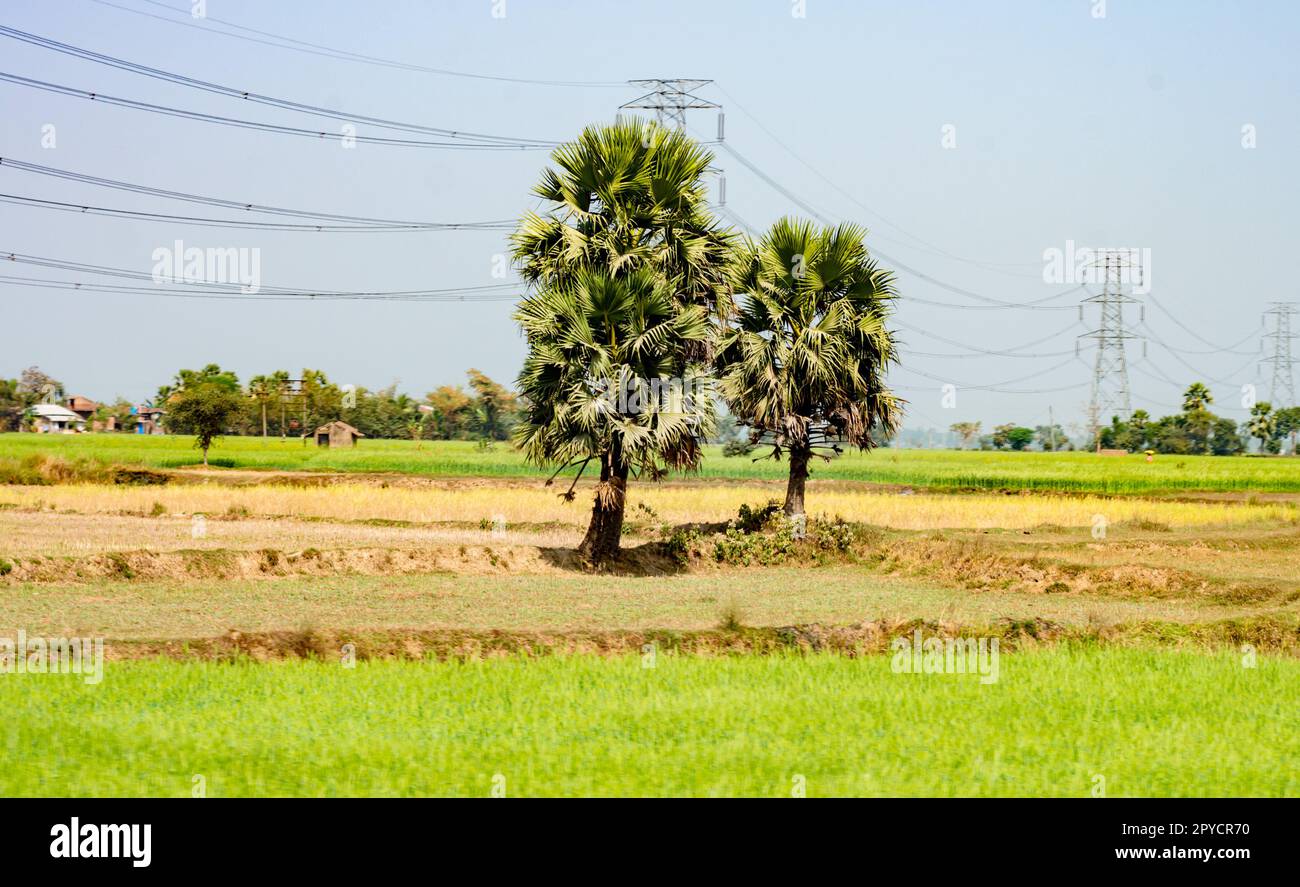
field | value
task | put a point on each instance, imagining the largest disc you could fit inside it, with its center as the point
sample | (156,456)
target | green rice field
(1065,472)
(1065,721)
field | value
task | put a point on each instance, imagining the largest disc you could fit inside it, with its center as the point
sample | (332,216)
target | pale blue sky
(1115,131)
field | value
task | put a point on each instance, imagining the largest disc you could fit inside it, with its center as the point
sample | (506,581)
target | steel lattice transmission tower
(1282,391)
(1110,388)
(671,99)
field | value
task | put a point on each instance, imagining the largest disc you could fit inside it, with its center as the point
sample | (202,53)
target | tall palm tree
(804,362)
(627,270)
(598,345)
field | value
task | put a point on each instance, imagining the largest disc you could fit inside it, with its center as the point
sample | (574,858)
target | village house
(148,419)
(337,434)
(50,418)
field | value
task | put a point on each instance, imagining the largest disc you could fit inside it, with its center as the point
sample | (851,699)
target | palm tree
(967,431)
(263,389)
(1262,424)
(1196,397)
(1196,414)
(627,268)
(598,345)
(804,364)
(279,380)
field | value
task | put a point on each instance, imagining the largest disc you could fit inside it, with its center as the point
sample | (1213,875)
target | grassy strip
(1064,722)
(1277,634)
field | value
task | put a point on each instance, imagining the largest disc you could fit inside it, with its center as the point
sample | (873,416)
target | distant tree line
(1195,430)
(284,405)
(269,405)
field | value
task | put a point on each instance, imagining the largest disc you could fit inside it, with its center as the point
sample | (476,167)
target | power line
(245,224)
(380,223)
(1214,349)
(977,351)
(245,95)
(108,271)
(318,49)
(448,295)
(1036,304)
(238,123)
(997,386)
(926,245)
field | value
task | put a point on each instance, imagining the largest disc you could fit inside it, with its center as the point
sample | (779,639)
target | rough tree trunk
(799,457)
(263,420)
(600,545)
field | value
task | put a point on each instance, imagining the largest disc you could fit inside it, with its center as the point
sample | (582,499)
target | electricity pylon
(1282,391)
(671,99)
(1110,388)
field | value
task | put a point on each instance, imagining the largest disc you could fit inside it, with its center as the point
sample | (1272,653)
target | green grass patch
(1148,722)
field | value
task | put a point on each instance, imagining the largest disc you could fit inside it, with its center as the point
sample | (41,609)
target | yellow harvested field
(516,504)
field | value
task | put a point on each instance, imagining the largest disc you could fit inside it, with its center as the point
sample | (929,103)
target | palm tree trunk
(600,545)
(794,489)
(263,419)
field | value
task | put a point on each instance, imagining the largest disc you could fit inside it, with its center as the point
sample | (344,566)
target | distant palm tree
(263,390)
(280,378)
(1196,397)
(804,363)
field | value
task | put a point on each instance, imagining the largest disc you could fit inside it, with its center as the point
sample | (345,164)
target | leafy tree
(452,411)
(12,405)
(206,407)
(804,362)
(967,431)
(35,386)
(120,413)
(322,400)
(1051,437)
(1225,440)
(494,407)
(1017,436)
(212,374)
(1288,425)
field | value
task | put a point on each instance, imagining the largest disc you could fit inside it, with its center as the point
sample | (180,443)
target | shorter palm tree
(597,343)
(804,362)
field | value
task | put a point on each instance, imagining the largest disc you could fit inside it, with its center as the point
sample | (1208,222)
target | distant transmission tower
(1110,388)
(1282,391)
(671,99)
